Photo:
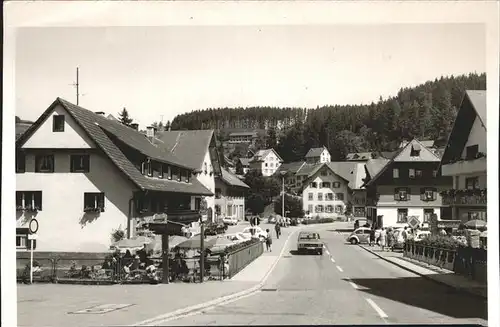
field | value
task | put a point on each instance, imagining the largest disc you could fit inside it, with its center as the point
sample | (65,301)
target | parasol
(220,244)
(475,224)
(127,243)
(195,243)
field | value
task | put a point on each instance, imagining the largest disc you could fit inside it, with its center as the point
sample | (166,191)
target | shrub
(438,241)
(318,221)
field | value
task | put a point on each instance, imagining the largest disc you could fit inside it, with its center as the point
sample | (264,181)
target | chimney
(135,126)
(100,113)
(150,133)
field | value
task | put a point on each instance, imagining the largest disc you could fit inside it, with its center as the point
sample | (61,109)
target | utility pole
(77,86)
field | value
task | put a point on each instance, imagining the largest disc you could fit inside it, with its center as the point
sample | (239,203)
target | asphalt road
(347,285)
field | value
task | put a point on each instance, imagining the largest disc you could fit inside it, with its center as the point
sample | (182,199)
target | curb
(461,289)
(231,297)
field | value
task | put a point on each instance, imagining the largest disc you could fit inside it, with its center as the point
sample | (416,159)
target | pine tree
(124,117)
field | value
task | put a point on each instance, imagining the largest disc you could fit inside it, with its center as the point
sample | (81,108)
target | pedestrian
(383,238)
(404,233)
(277,228)
(372,236)
(269,240)
(442,232)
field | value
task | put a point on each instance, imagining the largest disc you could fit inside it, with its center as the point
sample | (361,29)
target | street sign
(32,236)
(33,226)
(413,221)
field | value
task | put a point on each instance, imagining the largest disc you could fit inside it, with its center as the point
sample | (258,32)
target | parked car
(360,222)
(360,235)
(421,235)
(309,242)
(214,229)
(271,220)
(236,237)
(257,232)
(230,221)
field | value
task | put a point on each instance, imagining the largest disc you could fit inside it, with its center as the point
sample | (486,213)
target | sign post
(33,228)
(413,221)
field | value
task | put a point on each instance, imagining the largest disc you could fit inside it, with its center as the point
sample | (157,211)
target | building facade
(243,137)
(230,194)
(266,161)
(464,160)
(82,176)
(409,184)
(318,155)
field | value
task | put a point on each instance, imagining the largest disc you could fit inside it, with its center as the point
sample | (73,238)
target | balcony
(470,166)
(464,197)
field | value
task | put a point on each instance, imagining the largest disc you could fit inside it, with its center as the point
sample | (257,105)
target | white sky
(169,70)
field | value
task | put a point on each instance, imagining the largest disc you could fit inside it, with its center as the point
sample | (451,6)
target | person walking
(269,241)
(277,228)
(383,239)
(372,236)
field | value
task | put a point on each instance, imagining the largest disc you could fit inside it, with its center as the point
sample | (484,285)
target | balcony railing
(464,197)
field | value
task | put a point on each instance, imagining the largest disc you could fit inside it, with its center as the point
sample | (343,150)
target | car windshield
(309,236)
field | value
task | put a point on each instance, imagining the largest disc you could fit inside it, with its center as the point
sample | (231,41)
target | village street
(347,285)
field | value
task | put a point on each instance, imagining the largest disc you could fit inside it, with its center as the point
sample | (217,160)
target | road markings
(374,305)
(354,285)
(340,269)
(333,260)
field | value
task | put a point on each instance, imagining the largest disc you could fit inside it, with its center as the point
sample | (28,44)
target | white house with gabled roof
(266,161)
(318,155)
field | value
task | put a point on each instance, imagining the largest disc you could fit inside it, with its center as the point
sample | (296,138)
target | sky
(160,72)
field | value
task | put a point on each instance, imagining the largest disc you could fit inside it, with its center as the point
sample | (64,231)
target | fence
(466,261)
(240,258)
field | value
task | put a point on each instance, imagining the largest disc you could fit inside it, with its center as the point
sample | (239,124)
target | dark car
(309,242)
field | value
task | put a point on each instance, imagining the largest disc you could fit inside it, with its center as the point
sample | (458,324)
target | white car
(236,237)
(230,221)
(257,232)
(421,235)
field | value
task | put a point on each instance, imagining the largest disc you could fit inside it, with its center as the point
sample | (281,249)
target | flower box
(92,210)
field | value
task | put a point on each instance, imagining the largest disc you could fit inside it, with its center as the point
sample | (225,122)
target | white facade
(390,215)
(323,157)
(325,200)
(229,204)
(207,178)
(267,164)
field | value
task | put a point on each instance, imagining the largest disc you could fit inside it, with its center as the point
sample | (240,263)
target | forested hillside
(425,111)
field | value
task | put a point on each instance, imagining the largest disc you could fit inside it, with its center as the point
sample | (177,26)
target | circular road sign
(33,227)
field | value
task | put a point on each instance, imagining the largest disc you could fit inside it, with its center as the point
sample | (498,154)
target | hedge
(237,246)
(318,221)
(438,241)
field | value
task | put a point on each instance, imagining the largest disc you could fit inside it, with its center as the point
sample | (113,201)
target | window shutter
(38,199)
(19,198)
(100,201)
(422,194)
(408,194)
(86,163)
(434,194)
(396,194)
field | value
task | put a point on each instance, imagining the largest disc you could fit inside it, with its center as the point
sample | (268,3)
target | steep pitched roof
(353,172)
(189,146)
(261,154)
(244,161)
(291,167)
(473,105)
(309,169)
(21,128)
(231,179)
(338,172)
(243,134)
(359,156)
(315,152)
(101,129)
(401,155)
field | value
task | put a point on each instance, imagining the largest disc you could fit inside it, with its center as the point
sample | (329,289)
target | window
(310,208)
(80,163)
(330,196)
(188,177)
(471,151)
(58,123)
(22,241)
(44,163)
(472,183)
(319,208)
(320,196)
(411,173)
(402,194)
(170,172)
(29,200)
(339,196)
(395,173)
(418,173)
(428,194)
(338,209)
(336,184)
(218,193)
(359,211)
(20,162)
(265,164)
(326,185)
(324,173)
(427,215)
(415,151)
(402,216)
(434,173)
(93,202)
(310,197)
(229,211)
(162,169)
(313,185)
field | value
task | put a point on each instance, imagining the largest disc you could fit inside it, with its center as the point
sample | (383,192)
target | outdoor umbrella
(173,240)
(127,243)
(195,243)
(143,239)
(475,224)
(220,244)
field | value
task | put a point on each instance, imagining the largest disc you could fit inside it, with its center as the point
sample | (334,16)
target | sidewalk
(52,304)
(436,274)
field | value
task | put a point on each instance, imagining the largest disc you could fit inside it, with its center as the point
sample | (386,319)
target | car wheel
(320,252)
(354,241)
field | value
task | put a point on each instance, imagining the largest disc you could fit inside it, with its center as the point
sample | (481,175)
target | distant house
(198,148)
(329,188)
(83,176)
(242,137)
(21,127)
(406,185)
(266,161)
(318,155)
(429,144)
(242,166)
(230,194)
(464,159)
(359,156)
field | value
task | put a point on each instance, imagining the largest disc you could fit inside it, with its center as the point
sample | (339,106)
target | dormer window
(471,151)
(415,150)
(58,123)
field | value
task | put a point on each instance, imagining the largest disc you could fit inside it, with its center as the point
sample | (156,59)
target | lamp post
(283,173)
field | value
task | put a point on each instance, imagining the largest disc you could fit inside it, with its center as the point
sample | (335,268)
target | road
(347,285)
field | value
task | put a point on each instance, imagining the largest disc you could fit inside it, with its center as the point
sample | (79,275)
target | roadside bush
(438,241)
(318,221)
(236,247)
